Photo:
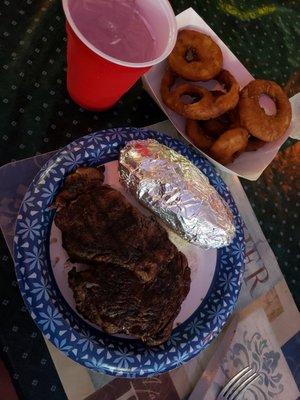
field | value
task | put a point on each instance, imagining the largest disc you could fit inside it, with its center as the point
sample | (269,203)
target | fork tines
(238,384)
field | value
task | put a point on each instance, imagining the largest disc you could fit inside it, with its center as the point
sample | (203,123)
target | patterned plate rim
(62,326)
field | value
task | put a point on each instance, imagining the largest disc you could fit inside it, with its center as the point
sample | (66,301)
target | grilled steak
(136,279)
(99,225)
(118,301)
(84,178)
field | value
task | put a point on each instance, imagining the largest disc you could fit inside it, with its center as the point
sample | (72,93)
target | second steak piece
(119,302)
(98,224)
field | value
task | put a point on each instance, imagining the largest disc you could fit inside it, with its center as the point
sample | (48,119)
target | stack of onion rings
(208,106)
(224,122)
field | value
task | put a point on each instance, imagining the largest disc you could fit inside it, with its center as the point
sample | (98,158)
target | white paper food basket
(249,165)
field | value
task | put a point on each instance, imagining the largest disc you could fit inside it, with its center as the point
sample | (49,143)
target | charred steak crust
(136,278)
(118,301)
(78,182)
(100,225)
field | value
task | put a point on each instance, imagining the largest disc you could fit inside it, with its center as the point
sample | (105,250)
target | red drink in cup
(111,43)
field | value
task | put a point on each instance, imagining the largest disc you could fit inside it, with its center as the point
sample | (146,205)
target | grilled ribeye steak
(136,278)
(77,183)
(99,225)
(117,300)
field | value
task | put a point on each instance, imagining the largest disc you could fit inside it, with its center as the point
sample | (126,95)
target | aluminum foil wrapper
(176,191)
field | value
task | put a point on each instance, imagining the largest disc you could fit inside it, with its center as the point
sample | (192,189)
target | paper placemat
(254,344)
(263,288)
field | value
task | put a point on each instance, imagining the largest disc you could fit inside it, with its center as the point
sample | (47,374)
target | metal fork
(238,384)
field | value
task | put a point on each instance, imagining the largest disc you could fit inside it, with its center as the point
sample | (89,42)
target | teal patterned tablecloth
(37,115)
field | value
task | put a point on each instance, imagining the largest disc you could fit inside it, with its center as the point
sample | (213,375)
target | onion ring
(205,55)
(228,100)
(194,131)
(253,116)
(216,126)
(229,145)
(167,82)
(172,98)
(234,117)
(209,106)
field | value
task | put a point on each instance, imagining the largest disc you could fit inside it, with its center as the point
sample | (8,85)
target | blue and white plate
(42,272)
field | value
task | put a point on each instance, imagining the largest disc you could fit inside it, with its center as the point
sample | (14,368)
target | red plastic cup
(95,80)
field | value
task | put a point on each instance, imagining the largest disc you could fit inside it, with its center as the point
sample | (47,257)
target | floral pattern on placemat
(254,350)
(255,345)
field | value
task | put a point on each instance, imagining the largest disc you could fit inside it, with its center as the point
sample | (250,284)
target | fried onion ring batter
(172,98)
(194,131)
(209,105)
(195,57)
(229,145)
(253,116)
(228,100)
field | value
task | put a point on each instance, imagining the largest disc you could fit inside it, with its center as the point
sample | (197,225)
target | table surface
(37,116)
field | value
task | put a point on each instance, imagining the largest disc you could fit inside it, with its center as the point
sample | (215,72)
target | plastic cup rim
(171,42)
